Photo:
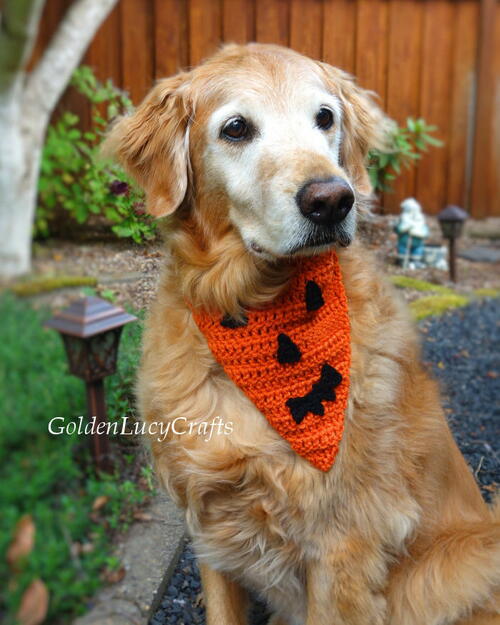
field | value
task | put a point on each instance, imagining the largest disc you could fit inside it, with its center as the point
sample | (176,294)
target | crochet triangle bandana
(292,358)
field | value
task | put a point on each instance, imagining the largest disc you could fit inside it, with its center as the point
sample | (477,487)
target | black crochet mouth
(322,391)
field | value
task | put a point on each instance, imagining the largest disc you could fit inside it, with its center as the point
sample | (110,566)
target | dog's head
(259,139)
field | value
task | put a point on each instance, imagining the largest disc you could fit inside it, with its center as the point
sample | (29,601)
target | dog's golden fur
(396,532)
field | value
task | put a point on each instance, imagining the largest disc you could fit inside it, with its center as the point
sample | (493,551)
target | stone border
(167,574)
(148,554)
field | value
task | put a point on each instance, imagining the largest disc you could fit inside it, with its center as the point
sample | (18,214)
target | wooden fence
(431,58)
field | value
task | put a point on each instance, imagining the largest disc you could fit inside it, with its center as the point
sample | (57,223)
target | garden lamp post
(90,329)
(451,220)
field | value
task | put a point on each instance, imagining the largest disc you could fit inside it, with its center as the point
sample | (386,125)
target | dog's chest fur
(260,513)
(254,508)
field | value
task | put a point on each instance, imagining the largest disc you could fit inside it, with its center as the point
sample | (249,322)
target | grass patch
(50,477)
(437,305)
(487,292)
(492,235)
(43,285)
(407,282)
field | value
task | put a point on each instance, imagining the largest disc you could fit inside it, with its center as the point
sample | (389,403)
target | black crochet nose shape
(325,202)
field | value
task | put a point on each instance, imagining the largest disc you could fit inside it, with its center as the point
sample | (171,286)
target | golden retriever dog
(396,532)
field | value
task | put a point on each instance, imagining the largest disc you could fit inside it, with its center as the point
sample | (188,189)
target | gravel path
(463,350)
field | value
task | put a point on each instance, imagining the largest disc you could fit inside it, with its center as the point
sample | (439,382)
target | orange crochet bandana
(292,358)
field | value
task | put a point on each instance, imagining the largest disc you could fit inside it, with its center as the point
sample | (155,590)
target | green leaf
(420,143)
(433,141)
(410,122)
(122,231)
(112,214)
(372,172)
(108,294)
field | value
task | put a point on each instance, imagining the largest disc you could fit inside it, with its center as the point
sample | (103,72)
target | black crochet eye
(324,118)
(236,129)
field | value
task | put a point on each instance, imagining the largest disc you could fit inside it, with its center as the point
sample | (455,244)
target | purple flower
(118,187)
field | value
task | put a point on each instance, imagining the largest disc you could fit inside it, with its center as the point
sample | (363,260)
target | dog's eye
(236,129)
(324,118)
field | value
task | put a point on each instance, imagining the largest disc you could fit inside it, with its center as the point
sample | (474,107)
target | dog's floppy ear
(365,126)
(152,144)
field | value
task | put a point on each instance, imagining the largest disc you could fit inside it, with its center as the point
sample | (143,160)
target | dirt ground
(131,271)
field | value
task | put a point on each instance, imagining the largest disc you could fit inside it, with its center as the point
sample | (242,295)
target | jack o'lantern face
(292,357)
(289,353)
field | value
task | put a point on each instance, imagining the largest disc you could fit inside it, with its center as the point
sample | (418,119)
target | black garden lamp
(90,329)
(451,220)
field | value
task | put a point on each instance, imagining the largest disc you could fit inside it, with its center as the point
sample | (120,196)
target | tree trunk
(20,155)
(26,104)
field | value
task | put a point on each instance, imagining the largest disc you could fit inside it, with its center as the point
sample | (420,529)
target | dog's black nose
(325,202)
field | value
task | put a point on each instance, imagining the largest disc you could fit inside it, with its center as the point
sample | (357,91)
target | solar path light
(451,220)
(90,329)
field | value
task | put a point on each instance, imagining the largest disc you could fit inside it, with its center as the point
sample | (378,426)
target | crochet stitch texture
(292,358)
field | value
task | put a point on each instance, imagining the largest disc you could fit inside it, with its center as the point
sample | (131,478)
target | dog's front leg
(225,600)
(344,587)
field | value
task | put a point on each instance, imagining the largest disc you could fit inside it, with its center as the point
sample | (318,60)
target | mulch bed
(462,350)
(130,271)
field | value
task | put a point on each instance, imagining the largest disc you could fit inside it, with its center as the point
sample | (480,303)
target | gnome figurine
(412,231)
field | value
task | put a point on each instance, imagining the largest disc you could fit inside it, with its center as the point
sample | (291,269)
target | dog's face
(273,141)
(275,151)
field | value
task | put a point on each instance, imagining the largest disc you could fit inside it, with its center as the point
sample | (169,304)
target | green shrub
(51,477)
(75,178)
(408,142)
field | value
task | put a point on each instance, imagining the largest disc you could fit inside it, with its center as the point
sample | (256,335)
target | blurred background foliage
(75,511)
(408,143)
(75,182)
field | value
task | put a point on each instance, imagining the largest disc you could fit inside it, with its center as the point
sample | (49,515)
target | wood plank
(306,27)
(485,197)
(104,56)
(238,21)
(371,45)
(137,47)
(272,21)
(205,29)
(171,37)
(495,135)
(435,103)
(462,102)
(104,53)
(405,40)
(371,48)
(339,33)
